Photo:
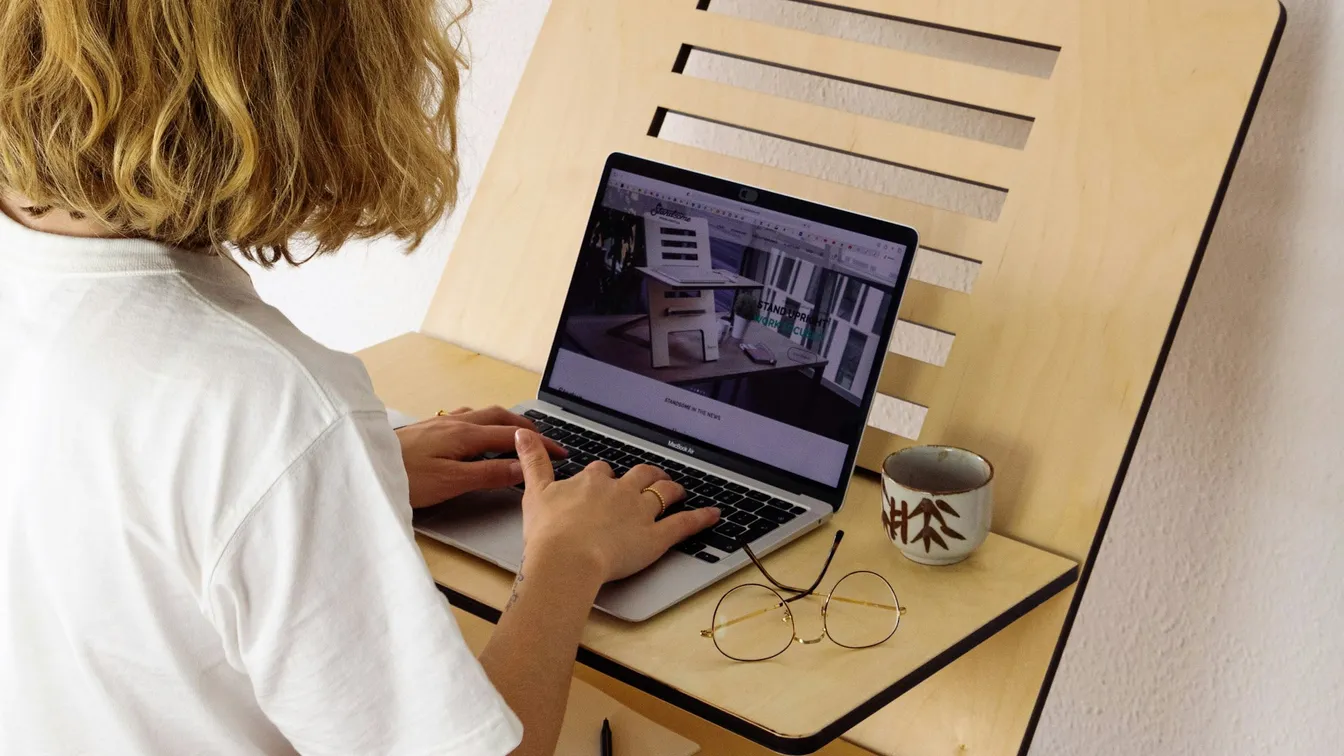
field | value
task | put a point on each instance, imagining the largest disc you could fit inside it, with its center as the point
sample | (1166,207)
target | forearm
(530,656)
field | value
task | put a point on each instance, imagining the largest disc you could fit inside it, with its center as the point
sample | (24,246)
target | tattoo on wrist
(517,582)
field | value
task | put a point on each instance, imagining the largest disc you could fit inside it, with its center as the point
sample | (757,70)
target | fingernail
(516,470)
(522,438)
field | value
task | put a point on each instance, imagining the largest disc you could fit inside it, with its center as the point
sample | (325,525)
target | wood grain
(1081,272)
(809,687)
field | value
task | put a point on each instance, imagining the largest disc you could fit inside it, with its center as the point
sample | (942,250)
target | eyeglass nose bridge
(810,641)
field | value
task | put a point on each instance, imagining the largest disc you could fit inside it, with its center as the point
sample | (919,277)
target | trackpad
(488,524)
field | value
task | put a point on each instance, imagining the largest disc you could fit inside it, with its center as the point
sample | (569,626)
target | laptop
(647,368)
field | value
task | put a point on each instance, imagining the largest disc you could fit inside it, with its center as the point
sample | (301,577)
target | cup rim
(944,447)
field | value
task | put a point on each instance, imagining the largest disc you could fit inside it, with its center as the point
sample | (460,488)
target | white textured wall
(1214,623)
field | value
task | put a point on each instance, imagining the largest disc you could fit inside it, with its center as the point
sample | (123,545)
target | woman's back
(165,436)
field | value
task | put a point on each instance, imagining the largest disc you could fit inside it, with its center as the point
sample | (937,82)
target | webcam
(747,194)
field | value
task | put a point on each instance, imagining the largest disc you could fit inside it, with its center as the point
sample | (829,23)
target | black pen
(606,738)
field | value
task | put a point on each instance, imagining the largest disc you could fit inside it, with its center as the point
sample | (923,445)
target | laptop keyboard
(747,515)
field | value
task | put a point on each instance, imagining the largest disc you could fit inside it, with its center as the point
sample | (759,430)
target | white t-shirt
(205,537)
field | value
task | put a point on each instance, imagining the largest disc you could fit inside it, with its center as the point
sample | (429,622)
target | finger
(460,411)
(496,416)
(643,476)
(485,474)
(599,468)
(537,471)
(479,439)
(682,525)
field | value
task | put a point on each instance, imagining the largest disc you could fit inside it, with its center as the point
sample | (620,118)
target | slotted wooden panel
(1081,272)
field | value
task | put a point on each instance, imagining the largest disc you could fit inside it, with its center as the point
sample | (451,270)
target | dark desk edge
(1181,302)
(781,743)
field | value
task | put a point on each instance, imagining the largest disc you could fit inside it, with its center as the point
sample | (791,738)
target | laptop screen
(730,318)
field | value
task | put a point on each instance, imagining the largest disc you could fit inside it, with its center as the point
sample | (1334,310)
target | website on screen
(740,327)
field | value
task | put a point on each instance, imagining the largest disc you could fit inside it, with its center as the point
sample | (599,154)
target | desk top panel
(808,695)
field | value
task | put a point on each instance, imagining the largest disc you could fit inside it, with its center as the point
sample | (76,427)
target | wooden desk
(804,698)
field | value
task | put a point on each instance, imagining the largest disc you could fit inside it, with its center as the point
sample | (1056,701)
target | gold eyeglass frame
(801,593)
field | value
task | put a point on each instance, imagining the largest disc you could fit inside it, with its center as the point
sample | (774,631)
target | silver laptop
(727,334)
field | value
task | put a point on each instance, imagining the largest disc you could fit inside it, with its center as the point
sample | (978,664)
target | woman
(205,540)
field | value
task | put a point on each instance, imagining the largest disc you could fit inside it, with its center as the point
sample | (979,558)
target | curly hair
(204,123)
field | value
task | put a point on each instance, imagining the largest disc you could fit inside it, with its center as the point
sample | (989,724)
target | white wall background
(1214,622)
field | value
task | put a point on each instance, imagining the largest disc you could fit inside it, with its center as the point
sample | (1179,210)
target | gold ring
(440,413)
(661,500)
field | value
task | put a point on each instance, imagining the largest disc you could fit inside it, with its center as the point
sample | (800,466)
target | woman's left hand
(439,453)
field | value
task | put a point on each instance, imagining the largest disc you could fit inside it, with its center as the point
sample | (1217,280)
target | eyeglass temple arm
(835,545)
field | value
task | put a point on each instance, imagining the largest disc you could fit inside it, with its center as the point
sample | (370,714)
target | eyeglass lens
(862,611)
(752,623)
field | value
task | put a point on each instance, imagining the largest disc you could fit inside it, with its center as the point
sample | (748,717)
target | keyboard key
(735,488)
(567,470)
(580,458)
(691,472)
(698,502)
(707,557)
(535,415)
(751,505)
(592,447)
(721,542)
(671,466)
(730,529)
(742,518)
(717,481)
(709,491)
(797,510)
(758,529)
(758,495)
(655,460)
(728,498)
(620,470)
(558,436)
(689,547)
(773,514)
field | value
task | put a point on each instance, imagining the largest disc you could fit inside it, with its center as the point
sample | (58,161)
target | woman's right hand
(607,523)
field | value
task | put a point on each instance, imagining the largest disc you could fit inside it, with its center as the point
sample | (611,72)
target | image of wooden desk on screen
(681,281)
(746,312)
(597,336)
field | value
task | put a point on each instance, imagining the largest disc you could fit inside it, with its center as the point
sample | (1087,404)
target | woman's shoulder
(258,352)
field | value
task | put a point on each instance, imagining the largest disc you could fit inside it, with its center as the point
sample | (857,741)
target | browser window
(732,324)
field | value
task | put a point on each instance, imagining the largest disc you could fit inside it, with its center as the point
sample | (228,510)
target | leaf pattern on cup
(897,522)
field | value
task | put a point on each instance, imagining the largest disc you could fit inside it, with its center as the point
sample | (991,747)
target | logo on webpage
(667,212)
(684,449)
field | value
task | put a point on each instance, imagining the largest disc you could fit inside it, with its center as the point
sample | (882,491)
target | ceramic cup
(937,502)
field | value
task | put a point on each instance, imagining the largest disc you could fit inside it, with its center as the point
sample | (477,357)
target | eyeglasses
(754,622)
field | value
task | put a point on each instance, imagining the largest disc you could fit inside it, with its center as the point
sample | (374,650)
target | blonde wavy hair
(234,122)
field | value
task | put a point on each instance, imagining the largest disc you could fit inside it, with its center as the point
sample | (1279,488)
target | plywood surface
(588,707)
(806,689)
(1056,342)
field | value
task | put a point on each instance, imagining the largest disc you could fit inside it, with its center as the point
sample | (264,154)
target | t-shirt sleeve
(322,599)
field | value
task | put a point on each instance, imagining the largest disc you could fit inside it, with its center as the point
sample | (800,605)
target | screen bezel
(803,209)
